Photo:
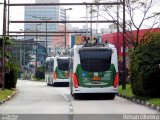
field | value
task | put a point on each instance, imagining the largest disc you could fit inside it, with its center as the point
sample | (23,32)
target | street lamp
(46,19)
(65,24)
(36,44)
(18,54)
(23,50)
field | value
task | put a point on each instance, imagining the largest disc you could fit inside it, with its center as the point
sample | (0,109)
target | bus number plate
(95,81)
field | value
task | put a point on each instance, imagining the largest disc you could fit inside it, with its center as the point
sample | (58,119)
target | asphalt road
(36,99)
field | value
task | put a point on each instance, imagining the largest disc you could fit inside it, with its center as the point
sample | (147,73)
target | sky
(17,13)
(77,13)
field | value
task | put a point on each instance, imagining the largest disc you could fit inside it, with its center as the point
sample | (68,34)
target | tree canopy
(139,14)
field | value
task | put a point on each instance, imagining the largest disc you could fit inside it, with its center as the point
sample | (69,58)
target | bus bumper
(95,90)
(61,80)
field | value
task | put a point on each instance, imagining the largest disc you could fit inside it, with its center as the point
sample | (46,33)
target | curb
(8,98)
(141,102)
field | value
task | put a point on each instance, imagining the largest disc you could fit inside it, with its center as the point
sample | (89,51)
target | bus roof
(63,57)
(49,58)
(110,46)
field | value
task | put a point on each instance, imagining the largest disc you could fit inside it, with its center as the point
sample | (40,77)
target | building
(44,13)
(113,39)
(59,41)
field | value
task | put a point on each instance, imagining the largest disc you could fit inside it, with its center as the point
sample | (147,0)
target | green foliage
(144,69)
(11,75)
(11,69)
(128,93)
(8,41)
(40,73)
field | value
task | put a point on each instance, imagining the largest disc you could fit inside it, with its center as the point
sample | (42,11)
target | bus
(94,70)
(56,70)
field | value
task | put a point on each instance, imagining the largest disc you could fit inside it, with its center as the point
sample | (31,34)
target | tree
(10,67)
(8,41)
(144,69)
(139,14)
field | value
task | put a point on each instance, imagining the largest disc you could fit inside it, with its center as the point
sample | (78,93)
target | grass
(128,92)
(4,94)
(155,101)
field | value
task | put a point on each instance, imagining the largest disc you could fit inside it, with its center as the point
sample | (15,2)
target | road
(38,99)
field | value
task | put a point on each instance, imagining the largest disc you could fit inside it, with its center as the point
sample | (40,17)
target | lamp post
(19,53)
(46,19)
(65,25)
(36,44)
(21,50)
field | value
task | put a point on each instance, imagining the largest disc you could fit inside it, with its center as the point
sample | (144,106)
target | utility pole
(19,49)
(8,17)
(65,27)
(97,20)
(36,45)
(46,19)
(124,48)
(20,53)
(118,30)
(3,45)
(36,49)
(86,20)
(46,40)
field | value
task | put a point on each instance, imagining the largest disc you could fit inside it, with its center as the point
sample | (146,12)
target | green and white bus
(94,70)
(56,70)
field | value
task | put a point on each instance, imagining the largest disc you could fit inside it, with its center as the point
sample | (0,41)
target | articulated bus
(94,70)
(56,70)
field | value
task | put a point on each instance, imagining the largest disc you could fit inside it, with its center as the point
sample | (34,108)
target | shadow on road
(98,96)
(66,84)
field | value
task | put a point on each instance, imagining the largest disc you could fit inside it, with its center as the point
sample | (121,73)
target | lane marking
(70,107)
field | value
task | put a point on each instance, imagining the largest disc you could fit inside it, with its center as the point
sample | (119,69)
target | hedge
(144,67)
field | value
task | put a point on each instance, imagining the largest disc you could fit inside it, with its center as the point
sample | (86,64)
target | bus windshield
(95,60)
(63,64)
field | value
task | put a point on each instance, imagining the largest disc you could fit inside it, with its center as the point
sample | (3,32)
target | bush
(40,73)
(144,69)
(11,70)
(11,75)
